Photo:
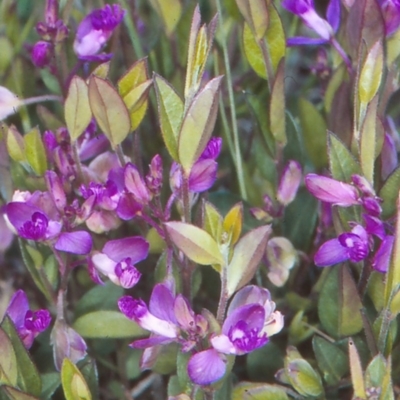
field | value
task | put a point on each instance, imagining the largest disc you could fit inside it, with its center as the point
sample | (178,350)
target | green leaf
(342,163)
(8,361)
(102,70)
(258,391)
(368,141)
(389,193)
(255,13)
(300,219)
(275,43)
(198,124)
(375,372)
(30,258)
(169,11)
(15,394)
(304,378)
(28,376)
(371,74)
(77,110)
(277,116)
(35,151)
(99,298)
(339,304)
(314,132)
(136,75)
(50,382)
(212,220)
(195,243)
(262,363)
(107,324)
(89,372)
(332,361)
(246,256)
(357,378)
(73,382)
(170,111)
(200,44)
(109,110)
(15,144)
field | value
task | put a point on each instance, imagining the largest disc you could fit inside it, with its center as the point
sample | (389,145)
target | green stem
(238,157)
(186,197)
(132,33)
(223,300)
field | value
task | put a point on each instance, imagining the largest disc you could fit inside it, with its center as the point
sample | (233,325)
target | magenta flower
(169,318)
(204,171)
(381,259)
(44,225)
(391,15)
(95,30)
(251,320)
(41,54)
(28,323)
(118,258)
(332,191)
(351,246)
(305,9)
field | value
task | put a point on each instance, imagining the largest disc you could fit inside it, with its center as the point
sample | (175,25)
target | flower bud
(41,54)
(289,183)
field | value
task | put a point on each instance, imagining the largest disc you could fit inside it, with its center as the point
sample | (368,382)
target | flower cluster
(357,244)
(251,319)
(28,323)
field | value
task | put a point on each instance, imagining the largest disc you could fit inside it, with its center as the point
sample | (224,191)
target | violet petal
(330,253)
(135,247)
(206,367)
(78,242)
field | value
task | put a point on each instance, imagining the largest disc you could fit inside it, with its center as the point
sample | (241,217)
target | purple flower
(118,258)
(28,323)
(34,223)
(154,178)
(305,9)
(136,185)
(388,156)
(289,182)
(391,15)
(351,246)
(251,319)
(169,318)
(41,54)
(204,171)
(381,259)
(332,191)
(95,30)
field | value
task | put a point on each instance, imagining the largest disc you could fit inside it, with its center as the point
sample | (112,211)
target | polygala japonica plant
(199,200)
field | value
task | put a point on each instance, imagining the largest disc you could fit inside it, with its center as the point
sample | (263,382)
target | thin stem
(342,54)
(120,155)
(238,157)
(364,278)
(132,33)
(383,332)
(186,197)
(39,99)
(223,300)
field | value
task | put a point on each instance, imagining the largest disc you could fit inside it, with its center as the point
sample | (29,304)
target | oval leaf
(356,371)
(109,110)
(198,245)
(35,151)
(73,382)
(246,256)
(198,123)
(277,115)
(170,112)
(8,361)
(107,324)
(77,110)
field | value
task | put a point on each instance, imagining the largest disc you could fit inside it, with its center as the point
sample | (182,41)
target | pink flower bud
(289,183)
(41,54)
(332,191)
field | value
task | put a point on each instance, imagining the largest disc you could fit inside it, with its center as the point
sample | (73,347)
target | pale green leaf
(170,111)
(258,391)
(255,13)
(198,124)
(77,110)
(246,256)
(73,382)
(277,115)
(195,243)
(169,11)
(107,324)
(109,110)
(15,144)
(357,378)
(8,361)
(136,75)
(35,151)
(371,74)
